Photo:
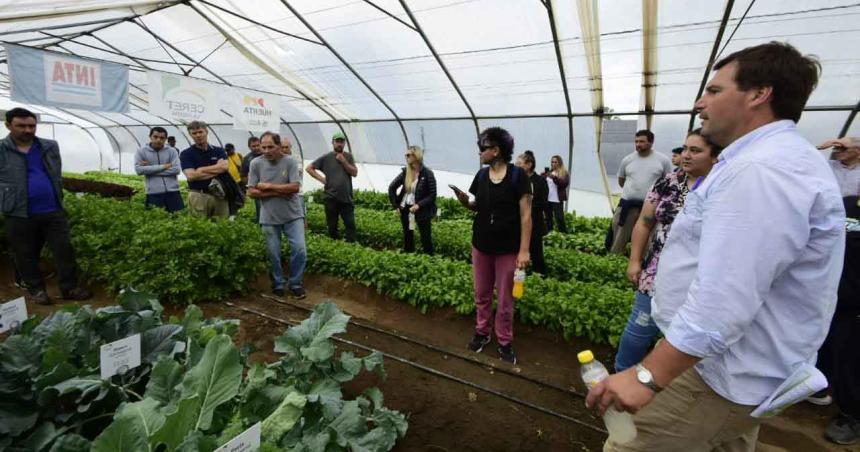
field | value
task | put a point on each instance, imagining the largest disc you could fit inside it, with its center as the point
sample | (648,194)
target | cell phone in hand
(546,169)
(454,187)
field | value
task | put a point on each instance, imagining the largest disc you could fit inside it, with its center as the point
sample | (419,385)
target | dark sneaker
(279,291)
(506,353)
(843,430)
(19,283)
(478,342)
(821,398)
(40,297)
(78,294)
(298,293)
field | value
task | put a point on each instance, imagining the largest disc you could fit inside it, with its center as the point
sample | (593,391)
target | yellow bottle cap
(585,357)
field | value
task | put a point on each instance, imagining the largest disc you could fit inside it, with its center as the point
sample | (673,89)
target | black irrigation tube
(434,372)
(441,350)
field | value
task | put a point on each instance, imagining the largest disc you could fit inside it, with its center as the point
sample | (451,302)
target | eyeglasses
(484,147)
(409,155)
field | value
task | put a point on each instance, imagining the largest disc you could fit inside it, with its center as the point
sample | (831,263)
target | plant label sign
(247,441)
(120,356)
(12,314)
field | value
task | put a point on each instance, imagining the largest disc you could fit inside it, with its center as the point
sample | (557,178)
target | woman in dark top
(539,189)
(500,237)
(413,192)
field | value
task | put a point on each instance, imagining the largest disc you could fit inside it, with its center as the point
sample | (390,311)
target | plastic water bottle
(519,284)
(620,424)
(411,221)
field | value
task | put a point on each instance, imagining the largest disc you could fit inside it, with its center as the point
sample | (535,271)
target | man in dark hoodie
(159,164)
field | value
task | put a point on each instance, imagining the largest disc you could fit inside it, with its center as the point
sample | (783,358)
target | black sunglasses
(484,147)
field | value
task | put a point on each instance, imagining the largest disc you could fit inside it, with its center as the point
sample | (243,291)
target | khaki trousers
(621,234)
(206,205)
(688,416)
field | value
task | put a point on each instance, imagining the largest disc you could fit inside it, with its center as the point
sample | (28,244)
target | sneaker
(279,291)
(843,430)
(78,294)
(478,342)
(298,293)
(19,283)
(820,398)
(40,297)
(506,354)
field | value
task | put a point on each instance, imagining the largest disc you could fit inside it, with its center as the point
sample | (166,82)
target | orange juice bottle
(519,283)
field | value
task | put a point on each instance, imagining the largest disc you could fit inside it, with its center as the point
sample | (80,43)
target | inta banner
(54,79)
(181,98)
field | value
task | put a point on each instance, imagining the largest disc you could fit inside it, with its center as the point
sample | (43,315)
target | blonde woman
(413,192)
(557,180)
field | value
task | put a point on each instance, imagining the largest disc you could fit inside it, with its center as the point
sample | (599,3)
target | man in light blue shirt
(747,281)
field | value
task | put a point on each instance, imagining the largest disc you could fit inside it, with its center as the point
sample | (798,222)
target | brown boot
(77,294)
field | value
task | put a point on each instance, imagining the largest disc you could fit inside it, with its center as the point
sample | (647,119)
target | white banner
(183,98)
(254,111)
(49,78)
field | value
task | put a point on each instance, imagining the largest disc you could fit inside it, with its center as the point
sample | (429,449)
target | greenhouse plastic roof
(433,72)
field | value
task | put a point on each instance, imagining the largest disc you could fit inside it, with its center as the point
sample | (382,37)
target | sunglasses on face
(484,147)
(409,155)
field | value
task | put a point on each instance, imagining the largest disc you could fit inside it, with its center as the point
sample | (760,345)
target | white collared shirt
(748,277)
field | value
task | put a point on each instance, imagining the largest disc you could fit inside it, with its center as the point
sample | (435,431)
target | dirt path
(450,416)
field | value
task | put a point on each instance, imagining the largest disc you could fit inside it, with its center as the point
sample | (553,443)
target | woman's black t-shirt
(496,229)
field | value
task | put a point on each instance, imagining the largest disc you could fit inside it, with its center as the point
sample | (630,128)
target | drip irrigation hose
(434,372)
(441,350)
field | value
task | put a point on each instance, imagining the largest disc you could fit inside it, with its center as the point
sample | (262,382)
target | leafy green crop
(193,390)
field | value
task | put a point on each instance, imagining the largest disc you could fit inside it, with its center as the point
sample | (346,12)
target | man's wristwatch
(644,376)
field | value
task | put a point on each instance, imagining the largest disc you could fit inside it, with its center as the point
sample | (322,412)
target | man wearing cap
(338,169)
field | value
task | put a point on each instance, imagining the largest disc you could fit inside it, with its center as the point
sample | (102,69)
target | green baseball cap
(338,136)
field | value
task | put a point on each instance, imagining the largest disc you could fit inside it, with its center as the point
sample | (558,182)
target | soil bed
(445,415)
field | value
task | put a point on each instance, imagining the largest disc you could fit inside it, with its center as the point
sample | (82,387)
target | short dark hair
(194,125)
(229,146)
(678,150)
(171,137)
(252,139)
(716,149)
(276,138)
(19,112)
(647,134)
(791,75)
(501,138)
(158,129)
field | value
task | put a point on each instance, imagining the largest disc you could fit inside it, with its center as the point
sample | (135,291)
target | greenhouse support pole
(253,59)
(442,65)
(727,13)
(552,25)
(350,68)
(384,11)
(848,121)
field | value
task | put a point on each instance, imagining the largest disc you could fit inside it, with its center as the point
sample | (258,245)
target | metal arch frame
(298,142)
(849,120)
(384,11)
(225,35)
(649,59)
(60,26)
(442,65)
(349,67)
(551,15)
(259,24)
(727,13)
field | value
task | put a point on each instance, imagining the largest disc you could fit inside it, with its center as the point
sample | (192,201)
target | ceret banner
(55,79)
(182,98)
(255,111)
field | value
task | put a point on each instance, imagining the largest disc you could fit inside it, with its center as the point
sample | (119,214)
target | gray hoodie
(159,178)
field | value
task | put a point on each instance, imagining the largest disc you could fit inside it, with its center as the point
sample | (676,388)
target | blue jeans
(638,334)
(295,232)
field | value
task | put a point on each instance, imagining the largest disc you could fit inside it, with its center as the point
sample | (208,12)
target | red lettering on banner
(58,73)
(70,68)
(82,75)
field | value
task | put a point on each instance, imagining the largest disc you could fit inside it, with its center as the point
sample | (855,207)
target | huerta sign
(182,98)
(55,79)
(254,111)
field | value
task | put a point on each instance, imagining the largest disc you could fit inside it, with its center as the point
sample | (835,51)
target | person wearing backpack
(500,237)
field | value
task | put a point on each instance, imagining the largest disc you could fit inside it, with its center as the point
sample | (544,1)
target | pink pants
(490,270)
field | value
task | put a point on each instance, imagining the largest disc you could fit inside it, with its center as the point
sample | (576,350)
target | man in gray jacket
(160,165)
(31,201)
